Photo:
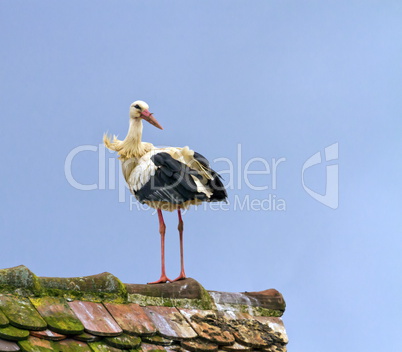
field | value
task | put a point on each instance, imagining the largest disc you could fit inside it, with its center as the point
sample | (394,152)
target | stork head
(139,110)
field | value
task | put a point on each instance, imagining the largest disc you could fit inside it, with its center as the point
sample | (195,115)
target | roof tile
(198,345)
(276,325)
(70,345)
(86,337)
(251,333)
(102,347)
(101,286)
(146,347)
(21,313)
(124,341)
(175,348)
(8,346)
(95,324)
(48,335)
(131,318)
(187,288)
(236,347)
(170,323)
(58,315)
(232,315)
(20,279)
(157,340)
(271,299)
(14,334)
(204,322)
(266,302)
(37,345)
(3,320)
(95,318)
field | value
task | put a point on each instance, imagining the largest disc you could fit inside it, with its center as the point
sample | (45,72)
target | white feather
(145,168)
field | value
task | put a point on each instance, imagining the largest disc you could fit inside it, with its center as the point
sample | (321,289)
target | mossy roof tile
(276,324)
(198,345)
(104,286)
(20,279)
(157,340)
(101,346)
(251,333)
(3,320)
(58,315)
(34,344)
(205,323)
(14,334)
(21,313)
(85,337)
(99,314)
(124,341)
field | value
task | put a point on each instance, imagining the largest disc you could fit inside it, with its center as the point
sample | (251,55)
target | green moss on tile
(95,288)
(207,301)
(58,315)
(37,345)
(86,337)
(204,304)
(102,347)
(3,320)
(21,313)
(70,345)
(19,280)
(124,341)
(14,334)
(157,340)
(254,311)
(265,312)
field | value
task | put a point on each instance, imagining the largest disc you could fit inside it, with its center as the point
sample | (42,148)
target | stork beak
(147,116)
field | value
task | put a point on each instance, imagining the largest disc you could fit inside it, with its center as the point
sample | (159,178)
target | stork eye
(137,107)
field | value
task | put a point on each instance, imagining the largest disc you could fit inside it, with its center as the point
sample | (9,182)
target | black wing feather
(218,189)
(171,183)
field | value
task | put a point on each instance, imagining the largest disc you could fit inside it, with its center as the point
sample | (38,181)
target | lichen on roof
(100,313)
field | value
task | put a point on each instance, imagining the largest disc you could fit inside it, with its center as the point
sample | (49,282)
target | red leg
(162,230)
(180,228)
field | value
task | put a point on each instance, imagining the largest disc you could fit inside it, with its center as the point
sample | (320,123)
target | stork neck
(132,146)
(134,133)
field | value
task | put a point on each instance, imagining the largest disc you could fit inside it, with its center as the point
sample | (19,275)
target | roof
(101,314)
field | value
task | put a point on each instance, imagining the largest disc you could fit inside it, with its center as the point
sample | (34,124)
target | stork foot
(163,279)
(182,276)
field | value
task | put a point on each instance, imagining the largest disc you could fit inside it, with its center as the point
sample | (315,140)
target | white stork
(164,178)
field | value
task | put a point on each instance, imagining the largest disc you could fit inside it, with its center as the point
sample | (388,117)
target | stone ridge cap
(68,277)
(187,293)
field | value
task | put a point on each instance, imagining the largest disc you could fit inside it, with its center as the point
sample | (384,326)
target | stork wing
(173,182)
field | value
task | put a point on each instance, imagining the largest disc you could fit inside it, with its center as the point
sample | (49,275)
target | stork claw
(163,279)
(182,276)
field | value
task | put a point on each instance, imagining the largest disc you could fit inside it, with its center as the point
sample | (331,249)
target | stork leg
(180,227)
(162,230)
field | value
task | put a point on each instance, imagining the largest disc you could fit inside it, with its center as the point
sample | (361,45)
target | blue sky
(278,79)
